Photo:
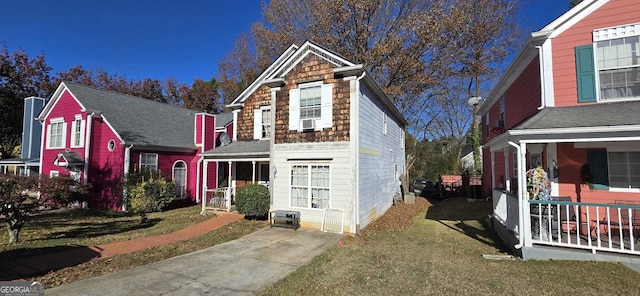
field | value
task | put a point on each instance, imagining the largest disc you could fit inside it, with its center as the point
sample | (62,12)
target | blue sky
(157,39)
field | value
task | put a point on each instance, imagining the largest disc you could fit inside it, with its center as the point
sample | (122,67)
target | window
(618,63)
(609,69)
(54,174)
(77,135)
(111,145)
(624,169)
(149,160)
(487,127)
(56,135)
(180,177)
(261,123)
(310,106)
(310,186)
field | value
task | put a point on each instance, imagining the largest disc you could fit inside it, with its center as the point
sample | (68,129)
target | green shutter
(586,74)
(598,168)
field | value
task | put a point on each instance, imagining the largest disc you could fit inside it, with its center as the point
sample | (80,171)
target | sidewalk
(25,267)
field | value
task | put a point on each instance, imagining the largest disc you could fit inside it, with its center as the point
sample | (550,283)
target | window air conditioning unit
(308,124)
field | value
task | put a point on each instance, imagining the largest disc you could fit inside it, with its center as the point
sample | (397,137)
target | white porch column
(253,173)
(231,182)
(552,161)
(525,220)
(204,184)
(507,165)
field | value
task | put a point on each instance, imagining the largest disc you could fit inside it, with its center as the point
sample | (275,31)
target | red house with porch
(569,103)
(98,136)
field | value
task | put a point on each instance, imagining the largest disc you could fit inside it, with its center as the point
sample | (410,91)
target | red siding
(614,13)
(198,132)
(66,107)
(106,168)
(522,98)
(166,160)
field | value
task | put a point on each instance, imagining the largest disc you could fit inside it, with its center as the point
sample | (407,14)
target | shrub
(148,192)
(253,200)
(63,190)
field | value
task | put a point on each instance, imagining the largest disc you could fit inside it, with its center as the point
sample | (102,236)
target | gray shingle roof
(240,148)
(602,114)
(143,122)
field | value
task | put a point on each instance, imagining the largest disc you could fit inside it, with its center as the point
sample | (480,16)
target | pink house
(569,103)
(98,136)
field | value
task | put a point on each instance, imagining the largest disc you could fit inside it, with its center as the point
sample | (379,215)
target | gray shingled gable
(593,115)
(223,119)
(240,148)
(139,121)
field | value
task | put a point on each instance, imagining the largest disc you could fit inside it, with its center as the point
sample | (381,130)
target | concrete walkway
(41,264)
(241,267)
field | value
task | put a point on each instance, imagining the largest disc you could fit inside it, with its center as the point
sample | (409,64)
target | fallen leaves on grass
(398,217)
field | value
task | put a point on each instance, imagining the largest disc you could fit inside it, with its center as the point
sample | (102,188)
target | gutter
(356,149)
(198,179)
(127,164)
(87,146)
(542,78)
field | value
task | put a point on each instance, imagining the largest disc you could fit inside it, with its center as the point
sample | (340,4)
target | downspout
(198,179)
(520,197)
(356,133)
(127,164)
(542,77)
(87,147)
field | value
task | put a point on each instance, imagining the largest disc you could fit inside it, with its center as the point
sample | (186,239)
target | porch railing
(218,199)
(591,226)
(505,209)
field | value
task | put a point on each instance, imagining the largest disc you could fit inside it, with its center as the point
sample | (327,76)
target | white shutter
(48,136)
(257,124)
(65,131)
(294,109)
(82,132)
(327,108)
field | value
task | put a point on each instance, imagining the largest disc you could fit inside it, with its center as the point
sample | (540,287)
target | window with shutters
(262,123)
(310,107)
(609,69)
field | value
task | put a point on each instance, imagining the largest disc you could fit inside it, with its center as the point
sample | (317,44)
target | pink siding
(570,162)
(66,107)
(166,160)
(199,127)
(614,13)
(209,132)
(106,168)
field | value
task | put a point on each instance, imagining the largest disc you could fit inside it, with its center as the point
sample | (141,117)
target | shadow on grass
(89,230)
(40,261)
(459,210)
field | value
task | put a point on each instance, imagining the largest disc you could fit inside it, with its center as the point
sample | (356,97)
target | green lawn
(57,231)
(441,254)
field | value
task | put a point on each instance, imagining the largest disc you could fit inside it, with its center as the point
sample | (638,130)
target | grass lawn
(441,254)
(57,231)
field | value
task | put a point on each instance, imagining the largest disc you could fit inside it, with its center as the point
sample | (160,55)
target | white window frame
(261,130)
(181,191)
(77,132)
(326,106)
(54,174)
(311,203)
(63,135)
(153,166)
(607,35)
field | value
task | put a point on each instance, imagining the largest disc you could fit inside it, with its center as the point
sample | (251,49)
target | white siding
(336,155)
(379,156)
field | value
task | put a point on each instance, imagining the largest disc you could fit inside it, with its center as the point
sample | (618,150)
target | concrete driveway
(241,267)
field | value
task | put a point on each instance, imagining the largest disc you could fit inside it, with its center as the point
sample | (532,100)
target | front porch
(561,229)
(227,168)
